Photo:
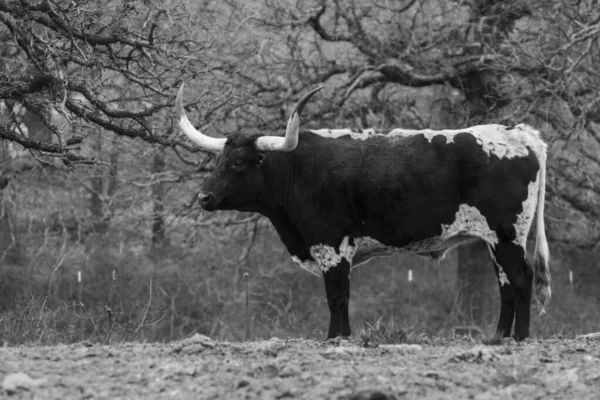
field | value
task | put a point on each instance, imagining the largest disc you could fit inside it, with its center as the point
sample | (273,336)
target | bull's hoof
(520,338)
(337,340)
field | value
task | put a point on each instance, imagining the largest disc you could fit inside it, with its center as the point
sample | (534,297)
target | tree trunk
(158,192)
(10,248)
(475,280)
(99,224)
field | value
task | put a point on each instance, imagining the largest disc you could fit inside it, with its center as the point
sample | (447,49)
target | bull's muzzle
(208,201)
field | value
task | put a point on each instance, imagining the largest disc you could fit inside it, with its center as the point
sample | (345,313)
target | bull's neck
(279,183)
(282,204)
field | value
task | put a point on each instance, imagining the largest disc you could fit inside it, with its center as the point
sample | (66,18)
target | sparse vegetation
(372,335)
(300,368)
(95,178)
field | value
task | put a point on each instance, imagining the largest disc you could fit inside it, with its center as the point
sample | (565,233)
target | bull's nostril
(205,199)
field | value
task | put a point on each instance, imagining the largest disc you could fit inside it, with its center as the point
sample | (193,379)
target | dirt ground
(200,368)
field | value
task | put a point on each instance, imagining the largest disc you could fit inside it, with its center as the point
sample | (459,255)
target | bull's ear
(260,157)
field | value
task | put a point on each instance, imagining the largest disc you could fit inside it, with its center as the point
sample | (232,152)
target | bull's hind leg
(337,287)
(507,304)
(516,295)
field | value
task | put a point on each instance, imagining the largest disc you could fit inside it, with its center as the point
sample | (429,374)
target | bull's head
(237,183)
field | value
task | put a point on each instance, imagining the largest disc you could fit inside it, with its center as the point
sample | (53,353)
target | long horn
(206,142)
(290,141)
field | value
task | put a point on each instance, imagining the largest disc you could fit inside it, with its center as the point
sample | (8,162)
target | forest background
(101,236)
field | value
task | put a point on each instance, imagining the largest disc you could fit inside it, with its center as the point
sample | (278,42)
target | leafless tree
(439,64)
(109,65)
(99,74)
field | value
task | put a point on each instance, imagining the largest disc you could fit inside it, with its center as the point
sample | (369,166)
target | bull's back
(404,188)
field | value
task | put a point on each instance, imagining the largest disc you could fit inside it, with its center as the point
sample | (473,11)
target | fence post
(81,307)
(246,278)
(109,305)
(410,287)
(571,278)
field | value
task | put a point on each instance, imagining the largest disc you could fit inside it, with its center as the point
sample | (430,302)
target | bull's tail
(541,255)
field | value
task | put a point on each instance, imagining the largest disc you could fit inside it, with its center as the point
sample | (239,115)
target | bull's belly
(469,224)
(435,247)
(365,248)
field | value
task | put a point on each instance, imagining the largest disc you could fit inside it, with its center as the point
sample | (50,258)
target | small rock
(200,339)
(477,355)
(193,349)
(401,348)
(243,383)
(193,345)
(19,380)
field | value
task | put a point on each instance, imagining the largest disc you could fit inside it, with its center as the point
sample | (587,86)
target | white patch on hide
(362,134)
(367,247)
(309,265)
(493,139)
(502,278)
(441,249)
(328,257)
(468,224)
(524,219)
(469,221)
(364,248)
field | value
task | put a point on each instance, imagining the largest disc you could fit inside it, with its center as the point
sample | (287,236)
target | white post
(246,279)
(410,279)
(79,290)
(571,277)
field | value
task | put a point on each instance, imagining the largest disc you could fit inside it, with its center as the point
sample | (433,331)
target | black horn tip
(315,90)
(304,99)
(179,99)
(180,91)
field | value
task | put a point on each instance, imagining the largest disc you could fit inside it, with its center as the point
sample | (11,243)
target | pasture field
(201,368)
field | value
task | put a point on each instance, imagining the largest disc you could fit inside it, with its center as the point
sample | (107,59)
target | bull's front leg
(337,287)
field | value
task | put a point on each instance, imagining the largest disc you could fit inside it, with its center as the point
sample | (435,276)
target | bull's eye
(239,165)
(259,158)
